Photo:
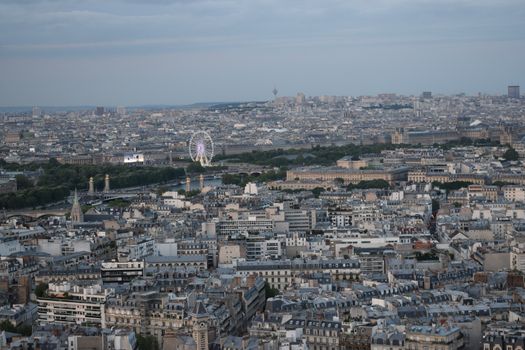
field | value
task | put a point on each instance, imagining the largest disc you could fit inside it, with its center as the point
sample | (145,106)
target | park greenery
(501,183)
(118,203)
(197,168)
(368,184)
(55,180)
(189,194)
(328,155)
(317,155)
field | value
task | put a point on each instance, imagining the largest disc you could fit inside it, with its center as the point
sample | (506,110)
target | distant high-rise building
(121,110)
(514,91)
(37,112)
(300,99)
(99,111)
(426,94)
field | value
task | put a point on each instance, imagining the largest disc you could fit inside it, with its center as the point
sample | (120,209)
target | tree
(270,292)
(7,326)
(162,189)
(195,168)
(191,193)
(435,205)
(511,154)
(23,182)
(118,203)
(501,183)
(147,342)
(40,289)
(317,191)
(339,181)
(368,184)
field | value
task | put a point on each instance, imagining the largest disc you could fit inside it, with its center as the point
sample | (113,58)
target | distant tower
(201,182)
(426,95)
(506,135)
(121,110)
(400,136)
(274,92)
(200,317)
(300,99)
(37,112)
(513,91)
(76,211)
(106,183)
(91,187)
(188,184)
(463,123)
(99,111)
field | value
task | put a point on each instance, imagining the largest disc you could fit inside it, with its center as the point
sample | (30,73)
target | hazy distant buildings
(37,112)
(99,111)
(426,94)
(514,91)
(121,110)
(300,98)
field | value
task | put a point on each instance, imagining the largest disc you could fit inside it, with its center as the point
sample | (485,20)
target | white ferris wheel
(201,148)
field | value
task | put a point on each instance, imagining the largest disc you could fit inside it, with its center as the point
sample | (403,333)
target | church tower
(76,210)
(200,317)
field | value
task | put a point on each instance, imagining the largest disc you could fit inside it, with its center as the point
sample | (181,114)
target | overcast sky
(132,52)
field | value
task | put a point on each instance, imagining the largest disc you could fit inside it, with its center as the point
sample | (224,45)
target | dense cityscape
(262,175)
(323,223)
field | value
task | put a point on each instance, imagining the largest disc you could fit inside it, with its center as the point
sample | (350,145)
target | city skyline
(58,53)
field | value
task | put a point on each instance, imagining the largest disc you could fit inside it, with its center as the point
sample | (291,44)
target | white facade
(67,304)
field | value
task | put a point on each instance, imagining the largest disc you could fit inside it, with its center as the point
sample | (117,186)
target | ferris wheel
(201,148)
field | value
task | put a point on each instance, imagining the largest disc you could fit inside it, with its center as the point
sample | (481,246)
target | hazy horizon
(178,52)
